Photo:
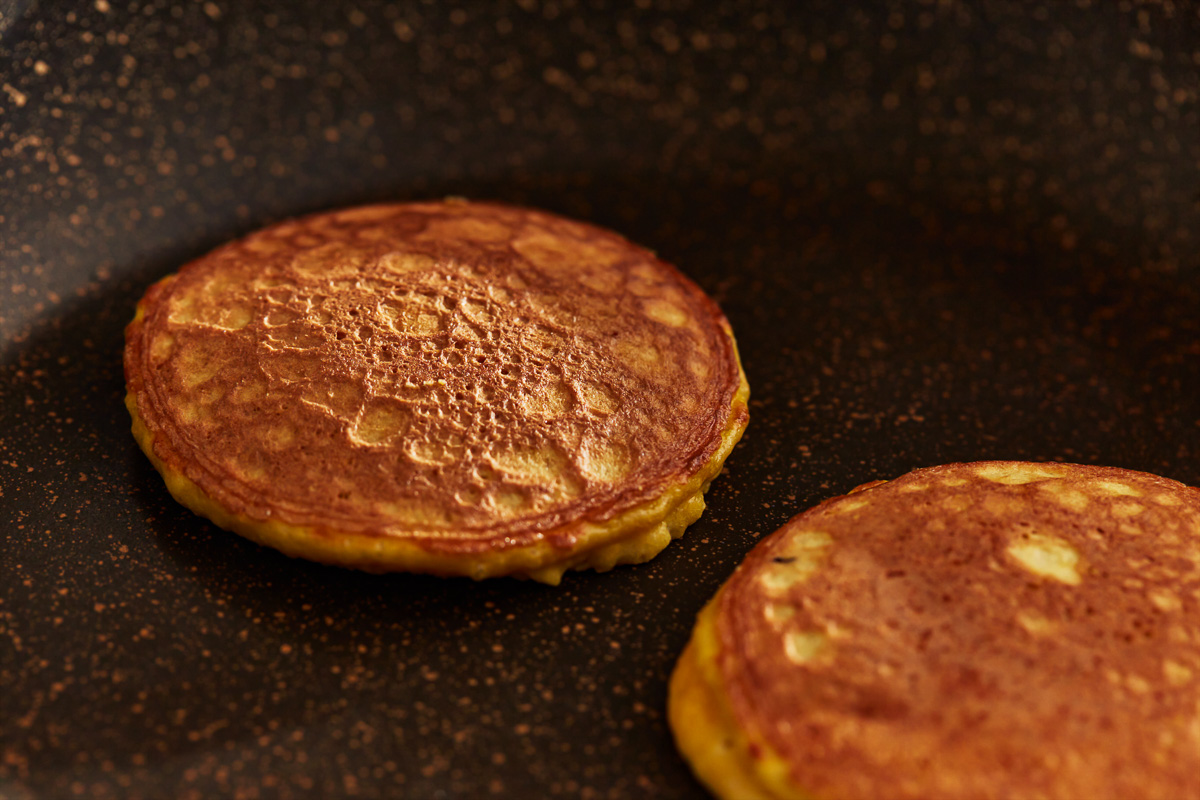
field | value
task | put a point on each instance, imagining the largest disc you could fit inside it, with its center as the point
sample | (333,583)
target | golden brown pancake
(990,630)
(453,388)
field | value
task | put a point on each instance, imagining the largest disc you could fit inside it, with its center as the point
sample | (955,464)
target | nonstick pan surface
(941,231)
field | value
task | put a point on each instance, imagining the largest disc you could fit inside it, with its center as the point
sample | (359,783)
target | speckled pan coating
(942,232)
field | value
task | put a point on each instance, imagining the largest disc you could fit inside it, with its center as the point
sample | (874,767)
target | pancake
(989,630)
(451,388)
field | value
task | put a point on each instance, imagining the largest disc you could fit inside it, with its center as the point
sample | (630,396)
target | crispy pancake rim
(625,380)
(1064,663)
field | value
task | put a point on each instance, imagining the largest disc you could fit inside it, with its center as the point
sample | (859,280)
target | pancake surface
(450,387)
(990,630)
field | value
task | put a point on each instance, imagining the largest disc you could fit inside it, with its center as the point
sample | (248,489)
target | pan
(941,232)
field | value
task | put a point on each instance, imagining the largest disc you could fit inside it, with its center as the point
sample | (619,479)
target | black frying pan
(941,232)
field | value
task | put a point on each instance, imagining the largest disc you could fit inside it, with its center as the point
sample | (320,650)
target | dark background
(941,231)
